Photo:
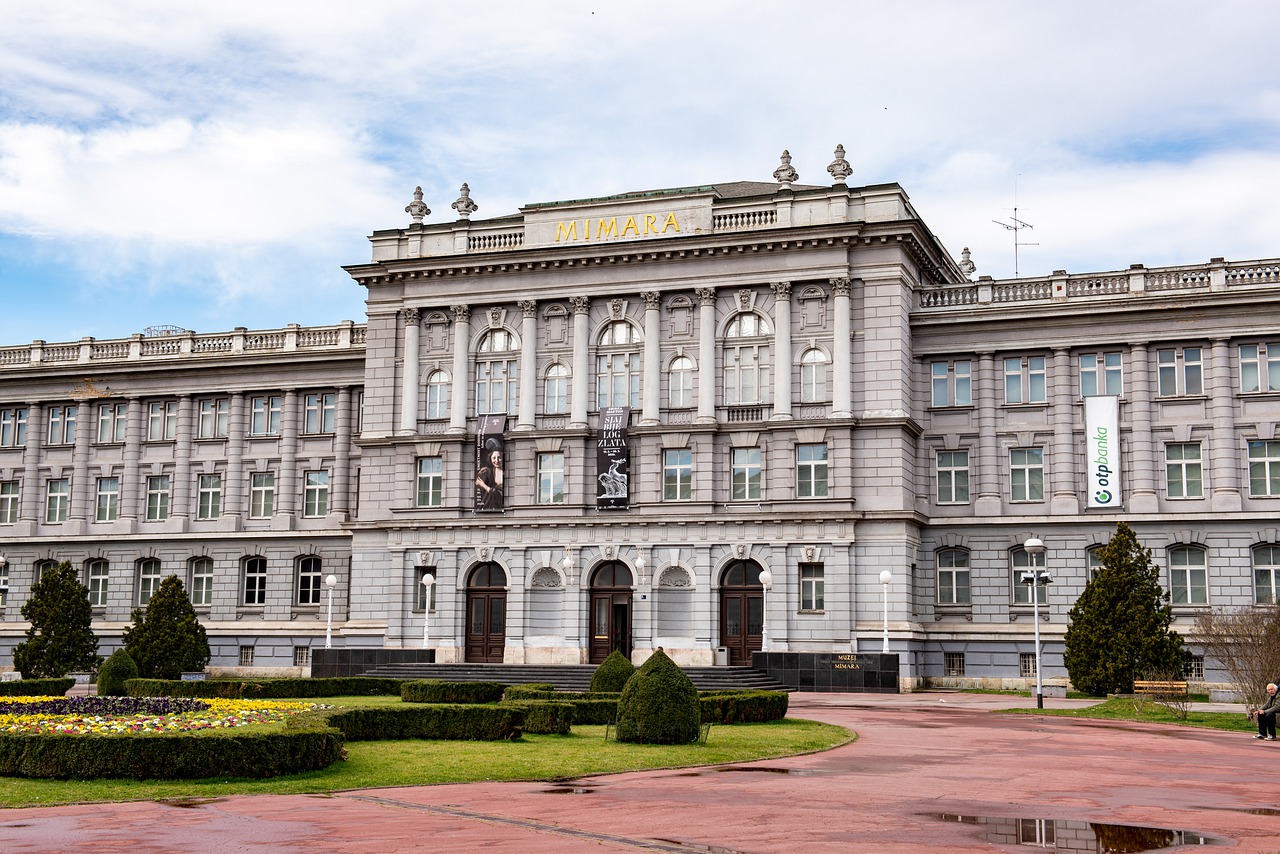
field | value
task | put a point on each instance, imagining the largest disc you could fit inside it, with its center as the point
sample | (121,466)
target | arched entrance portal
(741,610)
(610,616)
(486,614)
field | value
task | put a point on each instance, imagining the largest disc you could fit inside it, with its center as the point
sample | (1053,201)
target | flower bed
(112,715)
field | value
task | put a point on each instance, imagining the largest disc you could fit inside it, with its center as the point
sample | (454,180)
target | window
(430,481)
(555,390)
(952,383)
(246,656)
(677,474)
(315,497)
(214,417)
(310,580)
(98,571)
(108,499)
(811,471)
(953,577)
(58,500)
(496,377)
(1195,668)
(618,366)
(318,413)
(420,600)
(1022,562)
(1183,475)
(1027,665)
(551,478)
(301,656)
(680,383)
(255,581)
(1266,574)
(1026,474)
(13,427)
(1188,577)
(1095,562)
(953,663)
(209,498)
(1260,367)
(62,425)
(162,421)
(747,474)
(113,419)
(746,363)
(437,395)
(1264,469)
(264,415)
(158,498)
(1101,374)
(148,580)
(811,587)
(953,477)
(201,582)
(9,495)
(1179,372)
(813,376)
(262,495)
(1024,380)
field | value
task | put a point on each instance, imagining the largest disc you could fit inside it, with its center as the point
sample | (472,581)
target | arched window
(813,376)
(487,575)
(680,383)
(1095,562)
(1023,562)
(618,366)
(555,398)
(612,574)
(310,575)
(98,571)
(746,360)
(497,373)
(437,395)
(1266,574)
(148,579)
(1188,576)
(953,577)
(255,581)
(201,585)
(741,573)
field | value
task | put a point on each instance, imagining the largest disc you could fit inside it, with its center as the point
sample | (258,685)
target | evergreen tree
(61,637)
(166,638)
(1120,624)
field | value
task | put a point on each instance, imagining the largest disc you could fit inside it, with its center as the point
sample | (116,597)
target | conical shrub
(613,673)
(118,669)
(659,705)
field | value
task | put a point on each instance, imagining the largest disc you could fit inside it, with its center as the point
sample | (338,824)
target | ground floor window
(246,656)
(301,656)
(954,663)
(1027,665)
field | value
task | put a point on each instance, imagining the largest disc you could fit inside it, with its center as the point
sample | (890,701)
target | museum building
(705,418)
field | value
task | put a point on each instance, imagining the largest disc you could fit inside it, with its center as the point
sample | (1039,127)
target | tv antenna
(1015,225)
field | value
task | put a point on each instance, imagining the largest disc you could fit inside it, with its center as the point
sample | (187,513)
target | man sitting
(1267,714)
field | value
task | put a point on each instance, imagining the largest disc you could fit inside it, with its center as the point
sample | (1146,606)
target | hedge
(439,691)
(545,716)
(444,722)
(540,692)
(37,687)
(265,689)
(735,707)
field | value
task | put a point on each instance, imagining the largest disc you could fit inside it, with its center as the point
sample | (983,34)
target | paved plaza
(929,772)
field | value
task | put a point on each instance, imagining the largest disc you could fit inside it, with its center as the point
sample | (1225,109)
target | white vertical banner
(1102,450)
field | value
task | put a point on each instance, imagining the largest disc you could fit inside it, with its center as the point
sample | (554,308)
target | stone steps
(569,677)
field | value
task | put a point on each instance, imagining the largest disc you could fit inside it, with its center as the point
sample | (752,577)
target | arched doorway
(486,613)
(741,610)
(610,615)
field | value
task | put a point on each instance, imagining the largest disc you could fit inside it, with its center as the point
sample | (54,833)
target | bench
(1160,687)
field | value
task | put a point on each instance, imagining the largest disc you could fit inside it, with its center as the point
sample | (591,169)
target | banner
(490,464)
(613,459)
(1102,450)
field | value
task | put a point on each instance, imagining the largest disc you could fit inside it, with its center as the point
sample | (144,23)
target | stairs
(569,677)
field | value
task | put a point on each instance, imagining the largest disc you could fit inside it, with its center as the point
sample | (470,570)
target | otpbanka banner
(613,459)
(1102,450)
(491,473)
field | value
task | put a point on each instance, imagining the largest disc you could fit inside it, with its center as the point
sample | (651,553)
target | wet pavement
(929,772)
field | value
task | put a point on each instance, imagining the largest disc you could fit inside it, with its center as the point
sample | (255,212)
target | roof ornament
(785,174)
(840,168)
(966,265)
(464,206)
(417,209)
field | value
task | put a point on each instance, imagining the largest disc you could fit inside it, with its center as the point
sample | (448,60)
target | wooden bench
(1159,687)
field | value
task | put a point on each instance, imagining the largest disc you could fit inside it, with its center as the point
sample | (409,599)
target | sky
(213,165)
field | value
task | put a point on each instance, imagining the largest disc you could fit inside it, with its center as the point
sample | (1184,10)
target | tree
(118,669)
(61,637)
(167,639)
(1246,642)
(1120,624)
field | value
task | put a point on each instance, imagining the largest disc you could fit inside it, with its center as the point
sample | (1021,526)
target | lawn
(1148,711)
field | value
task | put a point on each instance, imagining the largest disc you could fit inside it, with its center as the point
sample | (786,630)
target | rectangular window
(113,419)
(952,383)
(1027,665)
(262,495)
(202,582)
(13,427)
(1188,577)
(1194,670)
(953,663)
(1183,474)
(747,475)
(812,595)
(255,581)
(551,478)
(677,474)
(57,500)
(497,386)
(158,498)
(746,374)
(301,656)
(1024,380)
(108,499)
(430,481)
(264,415)
(1260,367)
(148,580)
(209,499)
(953,577)
(99,572)
(215,415)
(162,421)
(953,477)
(62,425)
(1101,374)
(1264,469)
(811,471)
(8,502)
(1179,372)
(315,498)
(319,412)
(1026,474)
(246,656)
(420,601)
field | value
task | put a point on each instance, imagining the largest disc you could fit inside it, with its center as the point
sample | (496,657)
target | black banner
(613,459)
(490,464)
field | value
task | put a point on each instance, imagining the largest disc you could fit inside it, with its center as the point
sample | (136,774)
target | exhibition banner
(1102,450)
(490,464)
(613,459)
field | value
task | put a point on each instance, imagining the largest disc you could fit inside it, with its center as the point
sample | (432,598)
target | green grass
(1125,709)
(375,764)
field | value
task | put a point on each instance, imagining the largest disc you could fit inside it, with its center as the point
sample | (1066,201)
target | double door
(741,622)
(486,625)
(610,624)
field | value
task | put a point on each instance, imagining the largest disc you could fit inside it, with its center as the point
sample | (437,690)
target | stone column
(1065,496)
(410,380)
(782,347)
(652,381)
(180,496)
(1227,448)
(988,502)
(1142,495)
(527,417)
(340,492)
(33,487)
(581,362)
(842,349)
(135,426)
(461,382)
(83,488)
(287,480)
(233,486)
(706,355)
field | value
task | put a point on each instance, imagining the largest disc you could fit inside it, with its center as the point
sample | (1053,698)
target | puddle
(187,803)
(1246,810)
(567,790)
(1050,834)
(793,772)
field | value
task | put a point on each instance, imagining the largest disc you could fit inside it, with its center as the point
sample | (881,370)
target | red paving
(918,756)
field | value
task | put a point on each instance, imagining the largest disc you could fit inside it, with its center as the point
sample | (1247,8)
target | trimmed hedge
(439,691)
(613,673)
(265,689)
(735,707)
(453,722)
(589,707)
(118,669)
(659,705)
(37,687)
(545,716)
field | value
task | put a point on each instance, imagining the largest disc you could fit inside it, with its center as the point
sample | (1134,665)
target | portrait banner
(613,459)
(490,464)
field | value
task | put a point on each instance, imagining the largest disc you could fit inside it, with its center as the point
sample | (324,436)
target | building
(593,424)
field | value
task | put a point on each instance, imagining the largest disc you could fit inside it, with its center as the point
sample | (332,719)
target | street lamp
(1034,547)
(428,582)
(330,581)
(640,565)
(886,578)
(766,581)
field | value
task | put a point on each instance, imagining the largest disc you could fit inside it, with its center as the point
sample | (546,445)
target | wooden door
(742,612)
(486,625)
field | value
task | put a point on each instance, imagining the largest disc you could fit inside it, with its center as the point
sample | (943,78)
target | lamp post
(4,587)
(428,582)
(886,578)
(766,581)
(1034,547)
(330,581)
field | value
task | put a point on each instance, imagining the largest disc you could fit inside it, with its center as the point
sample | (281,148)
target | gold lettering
(649,223)
(631,226)
(607,228)
(586,229)
(670,223)
(570,233)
